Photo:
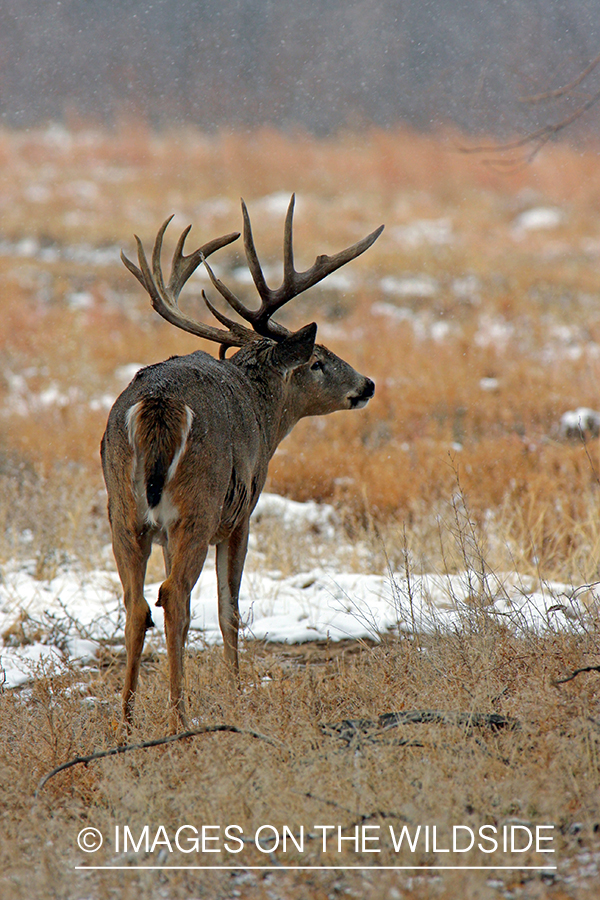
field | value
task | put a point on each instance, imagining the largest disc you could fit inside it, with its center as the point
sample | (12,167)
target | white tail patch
(137,466)
(163,515)
(131,421)
(189,418)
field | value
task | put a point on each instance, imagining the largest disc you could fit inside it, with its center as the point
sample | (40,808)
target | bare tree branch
(538,138)
(566,89)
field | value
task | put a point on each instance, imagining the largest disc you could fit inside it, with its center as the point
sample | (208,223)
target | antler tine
(227,294)
(164,299)
(156,252)
(260,319)
(181,266)
(234,327)
(288,241)
(252,256)
(132,266)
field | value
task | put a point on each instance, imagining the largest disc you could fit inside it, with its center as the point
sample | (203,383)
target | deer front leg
(231,555)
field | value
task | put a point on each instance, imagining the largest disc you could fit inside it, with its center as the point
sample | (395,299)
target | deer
(188,442)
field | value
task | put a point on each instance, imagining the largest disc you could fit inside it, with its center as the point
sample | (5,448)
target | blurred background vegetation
(317,65)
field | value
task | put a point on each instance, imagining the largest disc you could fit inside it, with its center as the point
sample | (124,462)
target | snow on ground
(539,218)
(65,618)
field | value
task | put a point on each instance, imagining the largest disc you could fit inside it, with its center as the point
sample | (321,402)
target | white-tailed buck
(188,442)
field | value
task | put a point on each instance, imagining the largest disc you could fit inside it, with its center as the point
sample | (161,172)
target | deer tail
(158,430)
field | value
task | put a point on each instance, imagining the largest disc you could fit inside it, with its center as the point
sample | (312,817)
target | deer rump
(194,403)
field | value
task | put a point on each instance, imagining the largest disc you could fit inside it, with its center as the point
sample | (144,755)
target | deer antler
(164,297)
(294,282)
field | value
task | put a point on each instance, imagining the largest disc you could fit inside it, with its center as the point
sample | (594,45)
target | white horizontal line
(321,868)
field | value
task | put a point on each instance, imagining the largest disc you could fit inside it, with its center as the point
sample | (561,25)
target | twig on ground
(145,745)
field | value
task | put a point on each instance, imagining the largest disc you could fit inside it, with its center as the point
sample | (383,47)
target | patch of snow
(83,190)
(26,247)
(540,218)
(276,204)
(580,423)
(38,193)
(124,374)
(467,287)
(440,331)
(65,618)
(83,254)
(20,665)
(433,232)
(57,136)
(489,384)
(425,325)
(103,403)
(82,650)
(338,281)
(273,274)
(320,517)
(419,286)
(80,300)
(53,396)
(493,331)
(216,206)
(399,313)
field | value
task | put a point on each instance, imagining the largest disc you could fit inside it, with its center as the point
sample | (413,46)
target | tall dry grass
(542,773)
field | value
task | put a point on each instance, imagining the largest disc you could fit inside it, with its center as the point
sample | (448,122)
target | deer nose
(369,389)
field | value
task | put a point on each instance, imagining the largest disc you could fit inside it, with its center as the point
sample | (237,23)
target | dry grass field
(477,313)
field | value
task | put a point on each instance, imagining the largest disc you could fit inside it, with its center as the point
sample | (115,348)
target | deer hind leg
(167,559)
(231,555)
(131,552)
(187,549)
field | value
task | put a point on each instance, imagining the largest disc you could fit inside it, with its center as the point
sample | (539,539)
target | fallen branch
(575,674)
(157,742)
(352,729)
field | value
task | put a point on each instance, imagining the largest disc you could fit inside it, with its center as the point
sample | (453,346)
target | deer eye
(317,366)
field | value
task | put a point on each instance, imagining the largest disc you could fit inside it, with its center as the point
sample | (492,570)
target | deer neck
(273,406)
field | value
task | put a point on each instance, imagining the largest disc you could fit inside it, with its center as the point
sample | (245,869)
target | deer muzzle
(357,401)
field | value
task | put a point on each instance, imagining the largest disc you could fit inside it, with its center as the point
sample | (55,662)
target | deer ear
(296,349)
